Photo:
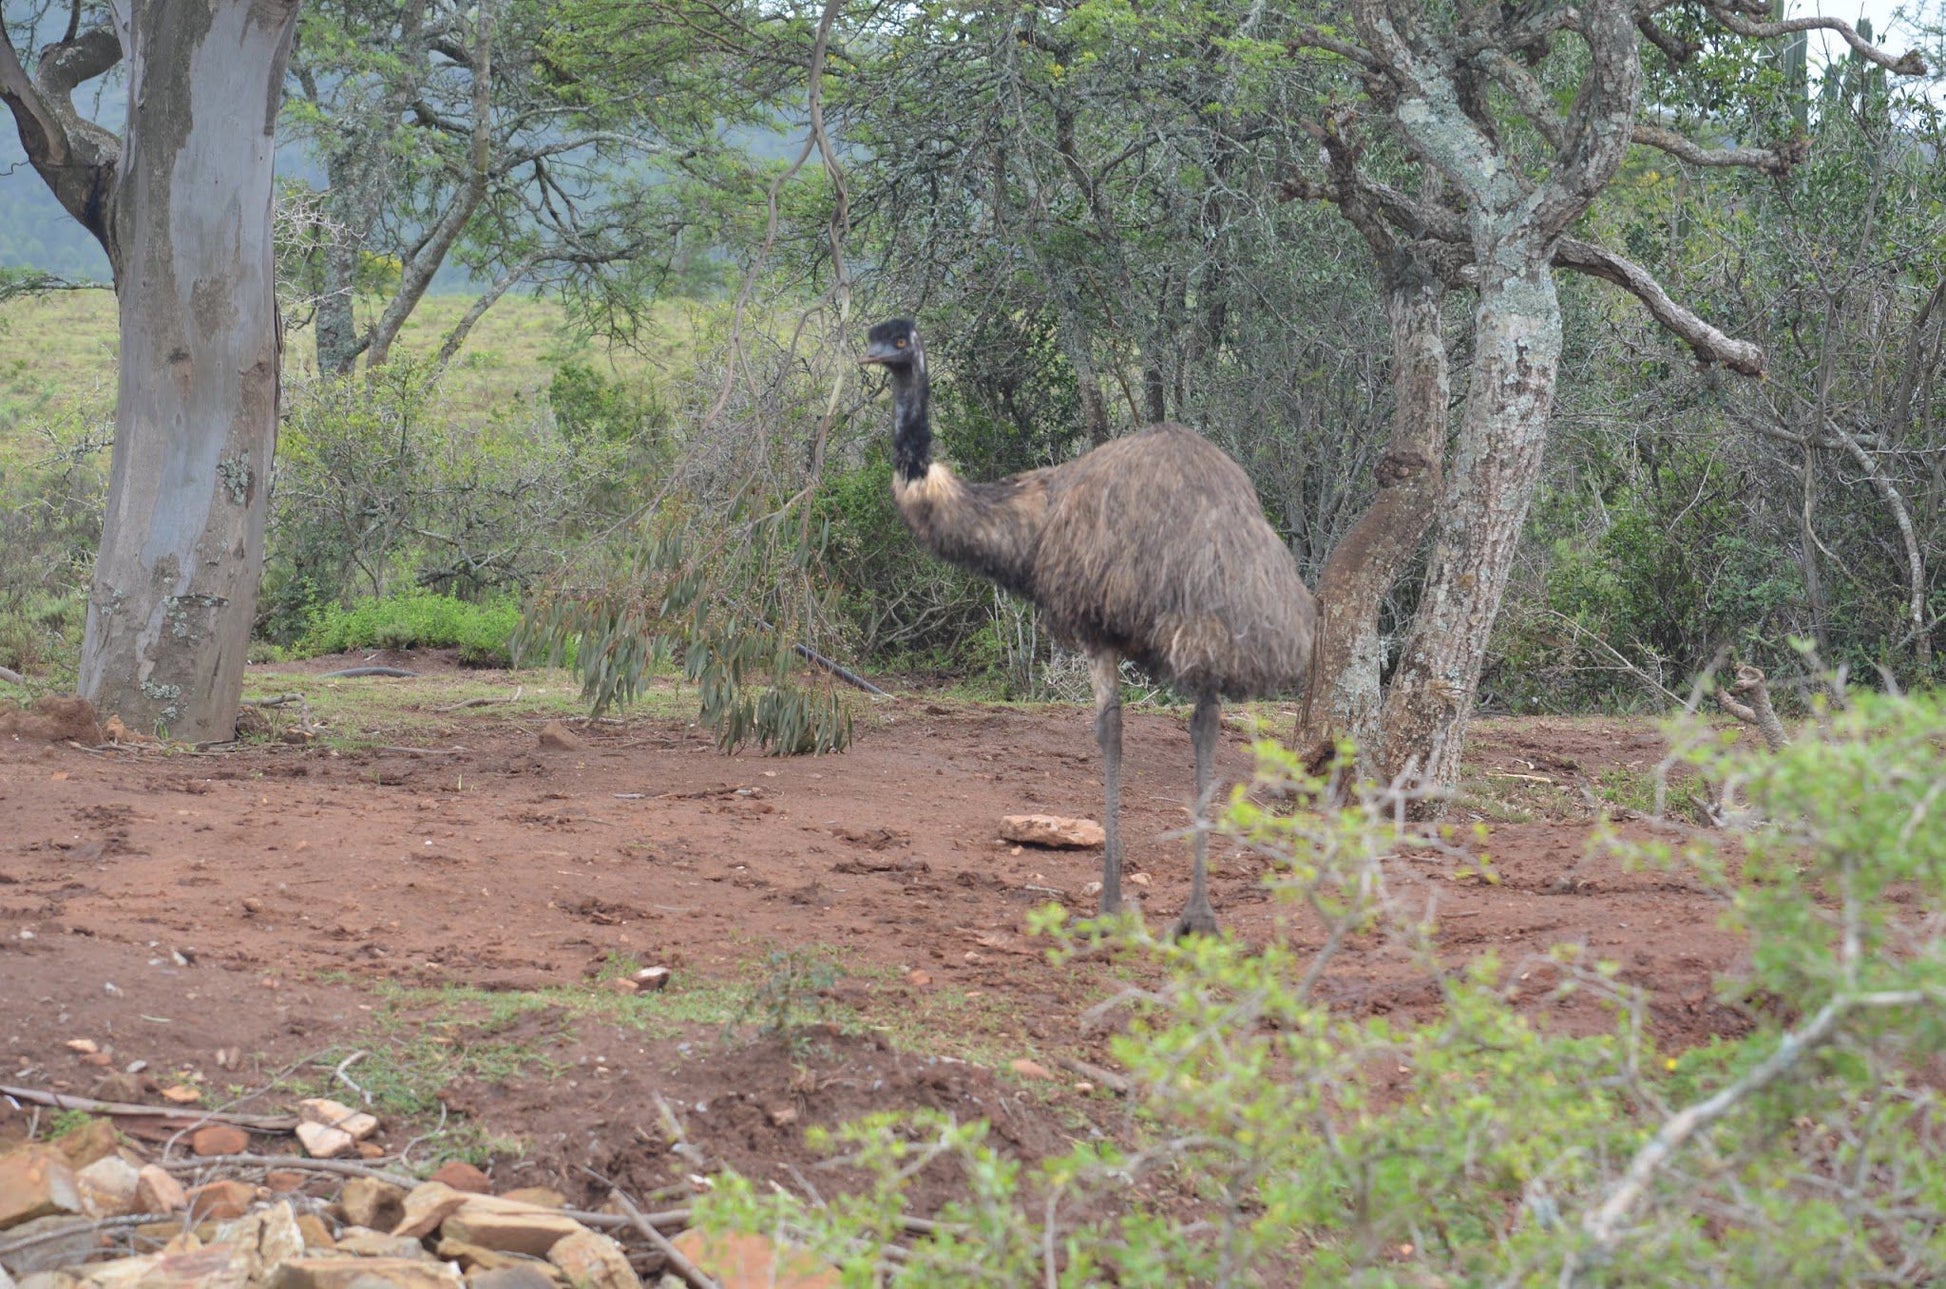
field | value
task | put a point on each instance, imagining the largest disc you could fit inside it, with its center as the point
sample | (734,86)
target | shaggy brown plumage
(1151,547)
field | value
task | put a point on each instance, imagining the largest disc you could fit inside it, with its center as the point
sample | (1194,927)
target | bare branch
(1772,161)
(1911,63)
(1709,344)
(1528,93)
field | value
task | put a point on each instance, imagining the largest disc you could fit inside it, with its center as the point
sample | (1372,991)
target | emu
(1151,547)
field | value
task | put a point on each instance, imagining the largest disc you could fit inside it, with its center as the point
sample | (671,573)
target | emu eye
(899,343)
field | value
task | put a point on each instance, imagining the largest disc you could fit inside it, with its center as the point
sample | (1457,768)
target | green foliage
(589,405)
(1277,1141)
(381,485)
(416,619)
(716,608)
(791,995)
(51,490)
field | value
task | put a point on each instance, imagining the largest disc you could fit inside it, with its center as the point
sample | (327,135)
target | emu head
(895,345)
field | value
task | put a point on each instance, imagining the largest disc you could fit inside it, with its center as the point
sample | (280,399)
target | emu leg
(1198,917)
(1104,670)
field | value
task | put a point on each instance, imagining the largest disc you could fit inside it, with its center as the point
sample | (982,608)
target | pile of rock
(63,1204)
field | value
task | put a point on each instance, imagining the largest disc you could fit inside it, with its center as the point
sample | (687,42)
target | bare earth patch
(459,914)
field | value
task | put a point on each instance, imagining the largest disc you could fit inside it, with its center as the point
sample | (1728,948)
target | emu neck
(911,424)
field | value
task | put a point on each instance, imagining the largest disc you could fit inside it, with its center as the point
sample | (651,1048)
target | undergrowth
(415,619)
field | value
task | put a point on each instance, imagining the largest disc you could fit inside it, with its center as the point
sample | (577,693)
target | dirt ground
(248,918)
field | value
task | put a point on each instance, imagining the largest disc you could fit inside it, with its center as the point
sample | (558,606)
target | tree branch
(1911,63)
(1772,161)
(1709,344)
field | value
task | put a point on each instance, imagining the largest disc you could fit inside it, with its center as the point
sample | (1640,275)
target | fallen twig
(294,1163)
(421,751)
(11,676)
(61,1101)
(851,678)
(483,702)
(346,1079)
(690,1273)
(366,671)
(282,700)
(1114,1082)
(97,1228)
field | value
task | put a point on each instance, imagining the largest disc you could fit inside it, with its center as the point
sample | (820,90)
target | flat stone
(36,1181)
(218,1266)
(157,1191)
(220,1139)
(1053,830)
(426,1206)
(377,1244)
(118,1087)
(593,1260)
(317,1236)
(538,1196)
(221,1200)
(753,1262)
(1027,1069)
(520,1275)
(284,1181)
(559,737)
(58,1242)
(462,1176)
(337,1271)
(109,1187)
(333,1114)
(367,1201)
(93,1140)
(322,1142)
(522,1230)
(269,1236)
(651,978)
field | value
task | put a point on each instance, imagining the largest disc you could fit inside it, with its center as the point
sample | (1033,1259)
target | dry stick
(421,751)
(293,1163)
(1604,1225)
(282,700)
(96,1228)
(484,702)
(61,1101)
(366,671)
(690,1273)
(11,676)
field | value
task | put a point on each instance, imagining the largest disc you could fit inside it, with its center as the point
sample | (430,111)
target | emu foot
(1195,921)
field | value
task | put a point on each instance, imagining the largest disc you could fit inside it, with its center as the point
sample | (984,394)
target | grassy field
(57,354)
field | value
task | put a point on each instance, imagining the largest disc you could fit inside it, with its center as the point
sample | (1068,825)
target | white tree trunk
(175,585)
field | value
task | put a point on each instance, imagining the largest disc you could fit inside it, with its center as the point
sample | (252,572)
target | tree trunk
(1342,697)
(1517,352)
(337,328)
(175,584)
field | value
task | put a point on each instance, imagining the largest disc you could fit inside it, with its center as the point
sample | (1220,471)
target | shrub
(1272,1141)
(416,619)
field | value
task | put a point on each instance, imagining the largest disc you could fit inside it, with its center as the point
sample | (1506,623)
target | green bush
(1274,1141)
(416,620)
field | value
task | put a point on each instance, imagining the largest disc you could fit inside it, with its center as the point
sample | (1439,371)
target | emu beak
(873,356)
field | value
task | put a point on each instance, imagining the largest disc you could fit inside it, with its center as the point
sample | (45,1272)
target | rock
(219,1266)
(117,1087)
(649,978)
(338,1271)
(221,1200)
(1027,1069)
(316,1234)
(220,1139)
(109,1187)
(181,1094)
(370,1202)
(426,1206)
(266,1238)
(95,1139)
(57,719)
(377,1244)
(559,737)
(57,1242)
(462,1176)
(519,1275)
(332,1114)
(284,1181)
(517,1229)
(156,1190)
(321,1142)
(1052,830)
(753,1262)
(370,1150)
(538,1196)
(620,985)
(84,1046)
(36,1181)
(782,1116)
(595,1261)
(918,978)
